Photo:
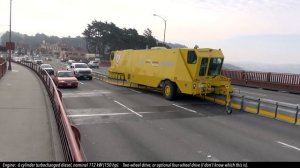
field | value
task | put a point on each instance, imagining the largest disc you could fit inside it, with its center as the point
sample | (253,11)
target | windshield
(81,66)
(203,67)
(65,74)
(215,66)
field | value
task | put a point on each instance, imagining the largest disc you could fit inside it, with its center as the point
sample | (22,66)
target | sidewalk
(28,131)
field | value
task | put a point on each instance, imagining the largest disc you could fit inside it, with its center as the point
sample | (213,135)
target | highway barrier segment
(278,110)
(69,134)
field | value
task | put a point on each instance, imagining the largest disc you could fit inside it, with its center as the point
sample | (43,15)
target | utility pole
(10,46)
(165,25)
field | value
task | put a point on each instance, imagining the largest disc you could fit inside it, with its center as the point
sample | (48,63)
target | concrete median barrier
(268,108)
(251,105)
(287,112)
(237,102)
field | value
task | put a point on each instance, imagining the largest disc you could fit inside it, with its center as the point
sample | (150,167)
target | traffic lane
(268,94)
(186,139)
(179,123)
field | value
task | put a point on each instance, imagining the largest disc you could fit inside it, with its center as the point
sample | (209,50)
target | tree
(102,36)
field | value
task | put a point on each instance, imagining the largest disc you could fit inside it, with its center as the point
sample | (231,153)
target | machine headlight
(202,85)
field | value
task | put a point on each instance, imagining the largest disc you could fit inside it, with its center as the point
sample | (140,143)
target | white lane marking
(107,114)
(92,115)
(193,111)
(81,83)
(287,145)
(253,93)
(128,108)
(135,91)
(85,94)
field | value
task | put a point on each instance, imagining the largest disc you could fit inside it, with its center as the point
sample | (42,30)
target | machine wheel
(90,78)
(228,109)
(170,90)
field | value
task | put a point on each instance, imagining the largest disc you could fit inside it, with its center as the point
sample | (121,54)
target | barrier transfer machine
(174,71)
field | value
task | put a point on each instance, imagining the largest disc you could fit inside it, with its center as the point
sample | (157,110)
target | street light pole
(165,25)
(10,46)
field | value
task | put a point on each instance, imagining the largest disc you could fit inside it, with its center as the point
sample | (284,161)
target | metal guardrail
(69,134)
(266,80)
(3,67)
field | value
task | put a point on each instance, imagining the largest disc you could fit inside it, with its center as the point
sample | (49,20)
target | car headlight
(61,81)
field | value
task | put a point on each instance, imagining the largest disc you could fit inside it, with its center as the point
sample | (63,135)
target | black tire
(228,109)
(90,78)
(170,90)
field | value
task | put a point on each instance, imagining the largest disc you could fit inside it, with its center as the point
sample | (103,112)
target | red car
(65,79)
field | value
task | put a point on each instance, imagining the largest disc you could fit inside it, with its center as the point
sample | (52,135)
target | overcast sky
(226,24)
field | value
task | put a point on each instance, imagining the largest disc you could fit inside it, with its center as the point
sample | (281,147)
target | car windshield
(46,66)
(81,66)
(65,74)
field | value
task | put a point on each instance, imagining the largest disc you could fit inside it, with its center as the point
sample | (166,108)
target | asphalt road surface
(124,124)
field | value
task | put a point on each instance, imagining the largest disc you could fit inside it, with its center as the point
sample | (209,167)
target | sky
(246,30)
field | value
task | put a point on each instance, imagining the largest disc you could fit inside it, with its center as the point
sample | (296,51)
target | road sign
(10,45)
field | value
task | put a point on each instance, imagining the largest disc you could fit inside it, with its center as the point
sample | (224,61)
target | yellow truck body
(187,71)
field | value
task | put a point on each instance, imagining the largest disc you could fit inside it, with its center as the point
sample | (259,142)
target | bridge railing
(3,67)
(266,80)
(69,134)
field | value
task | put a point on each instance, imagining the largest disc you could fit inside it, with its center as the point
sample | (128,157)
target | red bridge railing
(3,67)
(266,80)
(69,134)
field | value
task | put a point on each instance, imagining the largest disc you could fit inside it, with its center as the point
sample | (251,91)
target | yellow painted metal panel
(286,118)
(236,105)
(251,109)
(210,99)
(267,113)
(219,101)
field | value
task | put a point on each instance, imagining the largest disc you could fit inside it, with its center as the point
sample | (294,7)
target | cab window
(203,67)
(112,55)
(215,66)
(191,57)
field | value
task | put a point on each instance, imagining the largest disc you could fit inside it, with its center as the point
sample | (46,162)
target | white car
(81,70)
(37,61)
(48,68)
(93,64)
